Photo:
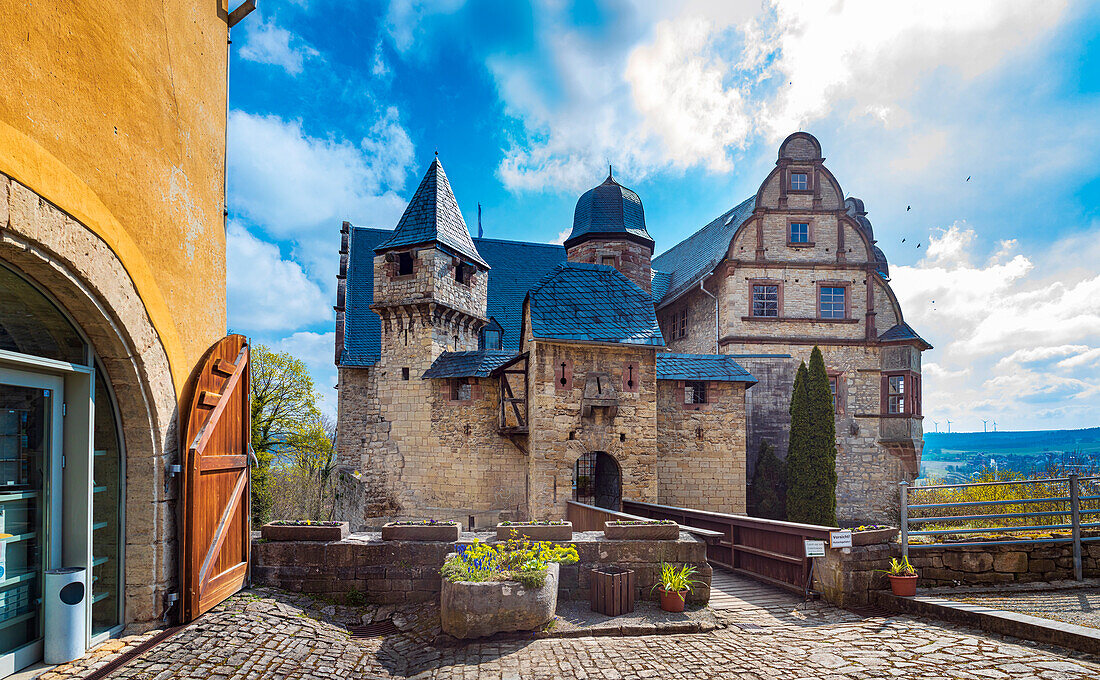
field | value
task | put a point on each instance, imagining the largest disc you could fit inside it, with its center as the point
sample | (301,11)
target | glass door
(30,466)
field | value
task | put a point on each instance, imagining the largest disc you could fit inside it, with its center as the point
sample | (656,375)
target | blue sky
(336,110)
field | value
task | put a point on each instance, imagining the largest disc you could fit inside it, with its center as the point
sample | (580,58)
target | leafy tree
(769,485)
(283,400)
(811,459)
(302,478)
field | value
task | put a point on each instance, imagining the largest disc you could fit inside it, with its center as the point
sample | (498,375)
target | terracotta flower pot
(671,601)
(903,586)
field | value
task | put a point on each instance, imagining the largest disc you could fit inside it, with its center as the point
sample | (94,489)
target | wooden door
(215,531)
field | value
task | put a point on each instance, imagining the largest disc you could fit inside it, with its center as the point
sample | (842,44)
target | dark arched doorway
(597,480)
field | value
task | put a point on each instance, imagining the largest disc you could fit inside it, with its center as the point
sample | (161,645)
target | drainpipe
(717,350)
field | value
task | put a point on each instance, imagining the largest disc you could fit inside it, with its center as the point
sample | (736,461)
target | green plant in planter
(678,581)
(900,567)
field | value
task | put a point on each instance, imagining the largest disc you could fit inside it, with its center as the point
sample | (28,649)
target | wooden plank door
(215,532)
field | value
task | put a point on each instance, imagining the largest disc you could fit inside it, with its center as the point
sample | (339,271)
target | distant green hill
(940,445)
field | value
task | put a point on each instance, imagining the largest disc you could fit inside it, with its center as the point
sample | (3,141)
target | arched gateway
(597,480)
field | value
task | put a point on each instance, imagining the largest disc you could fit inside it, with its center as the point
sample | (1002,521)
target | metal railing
(1058,510)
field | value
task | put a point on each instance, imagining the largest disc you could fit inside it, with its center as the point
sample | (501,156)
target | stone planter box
(537,532)
(641,532)
(420,532)
(304,532)
(472,610)
(874,537)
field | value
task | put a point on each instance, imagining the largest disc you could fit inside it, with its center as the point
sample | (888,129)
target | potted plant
(674,586)
(641,530)
(303,530)
(903,577)
(421,530)
(537,530)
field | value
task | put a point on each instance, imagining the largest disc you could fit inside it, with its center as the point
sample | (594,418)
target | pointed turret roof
(432,216)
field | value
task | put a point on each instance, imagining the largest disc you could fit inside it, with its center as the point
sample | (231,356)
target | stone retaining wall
(390,572)
(983,565)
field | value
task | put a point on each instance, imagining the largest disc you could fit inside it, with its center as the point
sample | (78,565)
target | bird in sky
(918,245)
(903,240)
(908,208)
(968,178)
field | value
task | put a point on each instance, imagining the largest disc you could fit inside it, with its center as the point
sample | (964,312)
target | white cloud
(266,292)
(266,43)
(698,82)
(290,182)
(1017,336)
(404,18)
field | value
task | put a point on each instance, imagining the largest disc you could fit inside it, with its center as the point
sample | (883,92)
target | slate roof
(433,216)
(515,268)
(903,332)
(592,303)
(687,262)
(609,209)
(719,367)
(478,364)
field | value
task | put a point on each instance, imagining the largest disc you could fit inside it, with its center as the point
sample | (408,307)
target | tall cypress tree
(797,466)
(769,485)
(811,461)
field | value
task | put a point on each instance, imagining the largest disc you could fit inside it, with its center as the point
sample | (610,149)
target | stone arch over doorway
(598,480)
(85,278)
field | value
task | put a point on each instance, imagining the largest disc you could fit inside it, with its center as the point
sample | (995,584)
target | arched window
(597,480)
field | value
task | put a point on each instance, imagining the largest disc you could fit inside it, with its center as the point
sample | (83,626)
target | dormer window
(492,336)
(404,264)
(800,181)
(492,339)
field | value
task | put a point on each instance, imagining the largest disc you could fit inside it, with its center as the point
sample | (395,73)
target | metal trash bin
(66,600)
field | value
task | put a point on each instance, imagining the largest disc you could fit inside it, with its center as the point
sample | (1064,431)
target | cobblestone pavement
(270,634)
(1079,606)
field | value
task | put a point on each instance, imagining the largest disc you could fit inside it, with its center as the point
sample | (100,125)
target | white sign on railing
(840,539)
(814,548)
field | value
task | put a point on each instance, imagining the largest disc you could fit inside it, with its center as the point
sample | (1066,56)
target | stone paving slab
(269,634)
(1079,606)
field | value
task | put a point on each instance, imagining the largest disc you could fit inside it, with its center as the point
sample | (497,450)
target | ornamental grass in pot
(903,577)
(675,585)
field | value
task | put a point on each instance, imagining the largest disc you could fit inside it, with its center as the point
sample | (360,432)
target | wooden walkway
(730,591)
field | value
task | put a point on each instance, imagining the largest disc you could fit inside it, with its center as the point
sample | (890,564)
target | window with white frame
(831,301)
(800,181)
(800,232)
(765,299)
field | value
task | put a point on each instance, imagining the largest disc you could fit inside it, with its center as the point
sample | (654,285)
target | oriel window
(895,395)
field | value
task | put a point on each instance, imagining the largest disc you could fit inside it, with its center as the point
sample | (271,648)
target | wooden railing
(766,549)
(591,518)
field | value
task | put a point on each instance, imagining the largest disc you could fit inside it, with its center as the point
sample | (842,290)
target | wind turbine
(937,424)
(984,421)
(994,425)
(949,426)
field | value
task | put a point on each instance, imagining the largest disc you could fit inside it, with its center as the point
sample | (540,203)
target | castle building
(482,379)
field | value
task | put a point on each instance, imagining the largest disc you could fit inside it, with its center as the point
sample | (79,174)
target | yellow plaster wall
(115,112)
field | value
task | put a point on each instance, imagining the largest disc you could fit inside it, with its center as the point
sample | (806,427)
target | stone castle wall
(701,331)
(560,434)
(701,447)
(631,258)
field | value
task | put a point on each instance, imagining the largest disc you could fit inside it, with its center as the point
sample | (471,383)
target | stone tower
(609,229)
(430,283)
